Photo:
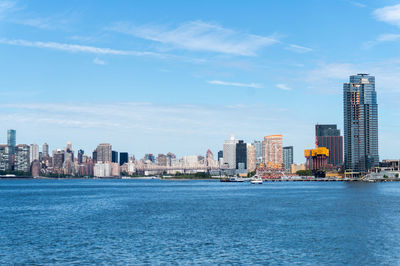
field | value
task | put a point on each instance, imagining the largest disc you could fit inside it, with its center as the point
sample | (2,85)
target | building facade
(114,156)
(272,151)
(123,158)
(328,136)
(45,150)
(33,153)
(287,157)
(229,151)
(241,155)
(5,158)
(259,151)
(104,152)
(251,157)
(11,140)
(22,160)
(360,123)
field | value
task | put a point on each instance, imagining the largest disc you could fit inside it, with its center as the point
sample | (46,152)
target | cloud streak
(235,84)
(76,48)
(200,36)
(388,14)
(298,49)
(283,87)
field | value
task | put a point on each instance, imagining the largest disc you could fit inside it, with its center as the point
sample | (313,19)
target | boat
(256,180)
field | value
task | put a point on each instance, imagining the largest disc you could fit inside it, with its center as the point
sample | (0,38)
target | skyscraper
(251,157)
(33,153)
(287,157)
(123,158)
(272,151)
(80,156)
(229,151)
(11,140)
(22,162)
(45,150)
(114,156)
(259,152)
(104,152)
(328,136)
(241,155)
(360,123)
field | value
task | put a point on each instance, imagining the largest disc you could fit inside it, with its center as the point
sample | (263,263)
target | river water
(198,222)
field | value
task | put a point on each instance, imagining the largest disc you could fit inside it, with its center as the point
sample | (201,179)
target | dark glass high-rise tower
(328,136)
(360,123)
(11,140)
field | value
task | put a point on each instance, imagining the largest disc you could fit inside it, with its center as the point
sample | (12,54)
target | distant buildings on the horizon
(236,157)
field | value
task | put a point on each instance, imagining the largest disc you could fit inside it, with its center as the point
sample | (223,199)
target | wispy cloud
(98,61)
(235,84)
(388,14)
(200,36)
(6,7)
(298,49)
(358,4)
(388,37)
(76,48)
(283,87)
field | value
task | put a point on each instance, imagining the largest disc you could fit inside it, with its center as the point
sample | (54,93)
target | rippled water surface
(162,222)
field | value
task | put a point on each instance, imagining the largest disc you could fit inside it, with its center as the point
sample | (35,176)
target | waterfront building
(220,155)
(162,160)
(171,158)
(241,154)
(272,151)
(251,157)
(297,167)
(80,156)
(115,170)
(58,159)
(35,168)
(209,158)
(123,158)
(190,160)
(104,152)
(328,136)
(287,157)
(22,160)
(33,153)
(229,151)
(5,158)
(102,169)
(94,156)
(45,149)
(11,140)
(114,156)
(360,123)
(259,152)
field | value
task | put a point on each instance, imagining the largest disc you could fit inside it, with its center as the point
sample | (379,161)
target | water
(206,222)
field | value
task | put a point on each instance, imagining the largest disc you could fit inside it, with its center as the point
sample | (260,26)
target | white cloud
(283,87)
(6,7)
(388,14)
(98,61)
(358,4)
(200,36)
(388,37)
(76,48)
(235,84)
(298,48)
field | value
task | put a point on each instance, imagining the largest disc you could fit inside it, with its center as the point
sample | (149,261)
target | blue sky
(160,76)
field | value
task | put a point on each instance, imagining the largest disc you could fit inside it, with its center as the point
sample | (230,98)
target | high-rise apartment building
(80,156)
(251,157)
(58,159)
(272,151)
(229,150)
(259,152)
(241,155)
(45,150)
(33,153)
(328,136)
(104,152)
(11,140)
(287,157)
(22,160)
(114,156)
(360,123)
(123,158)
(5,158)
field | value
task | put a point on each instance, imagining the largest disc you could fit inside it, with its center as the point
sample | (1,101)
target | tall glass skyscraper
(360,123)
(11,140)
(328,136)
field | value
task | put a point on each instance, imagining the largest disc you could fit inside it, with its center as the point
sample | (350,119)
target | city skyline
(185,78)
